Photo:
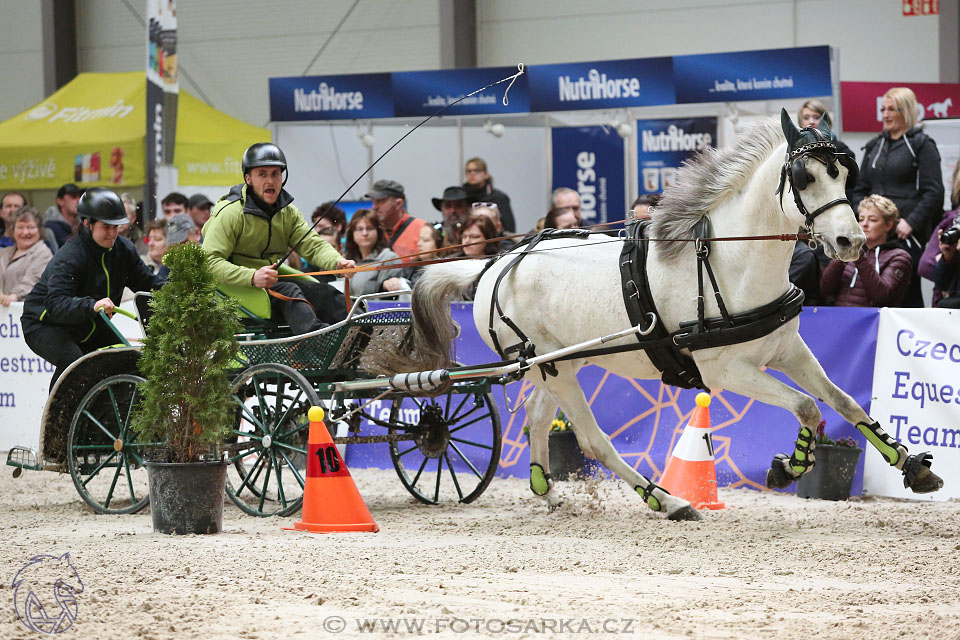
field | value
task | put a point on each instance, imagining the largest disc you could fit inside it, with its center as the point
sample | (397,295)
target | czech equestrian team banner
(663,145)
(772,74)
(347,97)
(916,395)
(861,102)
(420,93)
(645,418)
(24,380)
(590,161)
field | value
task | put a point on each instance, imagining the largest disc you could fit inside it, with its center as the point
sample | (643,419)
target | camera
(951,235)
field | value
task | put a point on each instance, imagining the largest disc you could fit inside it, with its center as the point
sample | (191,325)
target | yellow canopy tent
(92,132)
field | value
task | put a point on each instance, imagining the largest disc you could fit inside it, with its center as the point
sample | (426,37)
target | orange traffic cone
(690,472)
(331,501)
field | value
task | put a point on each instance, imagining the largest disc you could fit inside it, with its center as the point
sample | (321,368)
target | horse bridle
(795,171)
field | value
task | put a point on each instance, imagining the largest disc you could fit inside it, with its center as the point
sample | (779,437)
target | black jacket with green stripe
(79,274)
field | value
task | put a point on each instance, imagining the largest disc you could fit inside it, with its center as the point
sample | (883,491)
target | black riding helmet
(104,205)
(264,154)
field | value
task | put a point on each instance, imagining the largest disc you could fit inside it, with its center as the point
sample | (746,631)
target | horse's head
(818,176)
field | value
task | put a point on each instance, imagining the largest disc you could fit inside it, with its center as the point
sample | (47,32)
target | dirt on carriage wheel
(768,566)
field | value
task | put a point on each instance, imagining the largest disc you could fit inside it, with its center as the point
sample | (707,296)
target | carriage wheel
(457,445)
(267,450)
(104,459)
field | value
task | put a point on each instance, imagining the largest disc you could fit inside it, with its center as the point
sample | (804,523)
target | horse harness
(794,171)
(665,349)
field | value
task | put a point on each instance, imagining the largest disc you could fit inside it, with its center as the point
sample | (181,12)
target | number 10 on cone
(324,461)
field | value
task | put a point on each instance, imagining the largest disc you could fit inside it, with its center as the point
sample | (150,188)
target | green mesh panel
(351,347)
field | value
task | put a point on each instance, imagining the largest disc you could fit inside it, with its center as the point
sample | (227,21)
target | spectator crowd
(898,199)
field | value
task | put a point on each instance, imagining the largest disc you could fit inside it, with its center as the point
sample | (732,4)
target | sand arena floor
(769,566)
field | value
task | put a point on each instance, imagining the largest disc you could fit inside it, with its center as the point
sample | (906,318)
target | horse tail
(427,345)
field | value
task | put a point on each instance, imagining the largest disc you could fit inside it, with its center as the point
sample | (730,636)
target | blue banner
(601,85)
(663,145)
(774,74)
(331,97)
(645,418)
(420,93)
(589,160)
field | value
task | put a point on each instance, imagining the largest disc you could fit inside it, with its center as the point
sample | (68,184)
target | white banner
(916,397)
(25,379)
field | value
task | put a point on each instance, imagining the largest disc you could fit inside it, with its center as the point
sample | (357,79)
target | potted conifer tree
(836,464)
(189,348)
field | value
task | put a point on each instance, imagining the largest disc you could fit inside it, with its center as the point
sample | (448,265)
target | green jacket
(241,238)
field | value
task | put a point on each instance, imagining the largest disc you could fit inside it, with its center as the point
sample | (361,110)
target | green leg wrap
(649,498)
(539,481)
(802,459)
(892,451)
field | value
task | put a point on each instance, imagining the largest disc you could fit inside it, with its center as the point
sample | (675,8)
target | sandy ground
(602,565)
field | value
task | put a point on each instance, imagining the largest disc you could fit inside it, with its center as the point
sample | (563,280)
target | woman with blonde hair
(810,114)
(903,164)
(881,275)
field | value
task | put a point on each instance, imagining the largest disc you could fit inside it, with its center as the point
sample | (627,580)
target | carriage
(444,436)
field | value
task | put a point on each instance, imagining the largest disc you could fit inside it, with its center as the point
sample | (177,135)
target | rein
(393,263)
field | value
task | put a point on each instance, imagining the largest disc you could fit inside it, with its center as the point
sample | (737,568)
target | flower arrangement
(823,438)
(559,423)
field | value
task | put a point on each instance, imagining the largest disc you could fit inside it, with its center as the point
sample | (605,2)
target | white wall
(424,164)
(229,50)
(876,41)
(21,57)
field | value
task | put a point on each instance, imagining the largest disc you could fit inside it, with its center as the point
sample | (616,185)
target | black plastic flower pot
(187,497)
(566,457)
(832,476)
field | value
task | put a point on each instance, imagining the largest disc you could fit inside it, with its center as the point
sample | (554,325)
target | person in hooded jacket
(903,164)
(479,188)
(61,320)
(881,275)
(254,225)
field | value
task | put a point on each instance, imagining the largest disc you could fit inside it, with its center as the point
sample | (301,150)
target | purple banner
(646,418)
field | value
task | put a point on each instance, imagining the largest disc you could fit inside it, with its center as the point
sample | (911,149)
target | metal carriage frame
(444,439)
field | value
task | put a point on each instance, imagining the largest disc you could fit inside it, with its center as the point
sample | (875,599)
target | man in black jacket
(61,320)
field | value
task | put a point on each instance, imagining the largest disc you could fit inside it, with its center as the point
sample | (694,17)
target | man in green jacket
(251,228)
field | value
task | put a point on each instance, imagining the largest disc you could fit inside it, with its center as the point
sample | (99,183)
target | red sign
(860,102)
(921,7)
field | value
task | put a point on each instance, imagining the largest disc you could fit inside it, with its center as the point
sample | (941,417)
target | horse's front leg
(803,368)
(743,376)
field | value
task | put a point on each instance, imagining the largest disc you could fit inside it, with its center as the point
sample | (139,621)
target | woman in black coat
(479,186)
(903,164)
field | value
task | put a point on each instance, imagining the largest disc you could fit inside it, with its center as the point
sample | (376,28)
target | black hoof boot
(917,475)
(686,513)
(778,477)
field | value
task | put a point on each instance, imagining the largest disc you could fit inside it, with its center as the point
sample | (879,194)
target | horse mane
(707,180)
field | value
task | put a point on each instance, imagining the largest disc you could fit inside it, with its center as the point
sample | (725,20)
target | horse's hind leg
(802,367)
(596,444)
(541,408)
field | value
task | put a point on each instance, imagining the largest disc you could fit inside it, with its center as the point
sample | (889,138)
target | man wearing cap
(181,228)
(455,207)
(62,218)
(251,229)
(401,230)
(61,320)
(198,206)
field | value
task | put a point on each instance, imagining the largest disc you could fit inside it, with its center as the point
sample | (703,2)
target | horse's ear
(790,131)
(824,126)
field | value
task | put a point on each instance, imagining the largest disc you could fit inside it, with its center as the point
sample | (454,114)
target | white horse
(571,293)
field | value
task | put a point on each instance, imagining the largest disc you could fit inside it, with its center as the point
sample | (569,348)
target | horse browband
(786,173)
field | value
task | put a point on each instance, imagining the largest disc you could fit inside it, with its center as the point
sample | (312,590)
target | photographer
(930,259)
(946,274)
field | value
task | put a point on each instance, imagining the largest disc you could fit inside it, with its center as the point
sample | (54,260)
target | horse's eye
(832,170)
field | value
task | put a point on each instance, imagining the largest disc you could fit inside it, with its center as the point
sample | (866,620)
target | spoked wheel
(456,448)
(104,460)
(267,450)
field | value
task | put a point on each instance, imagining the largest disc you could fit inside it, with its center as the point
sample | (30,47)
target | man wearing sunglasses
(454,204)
